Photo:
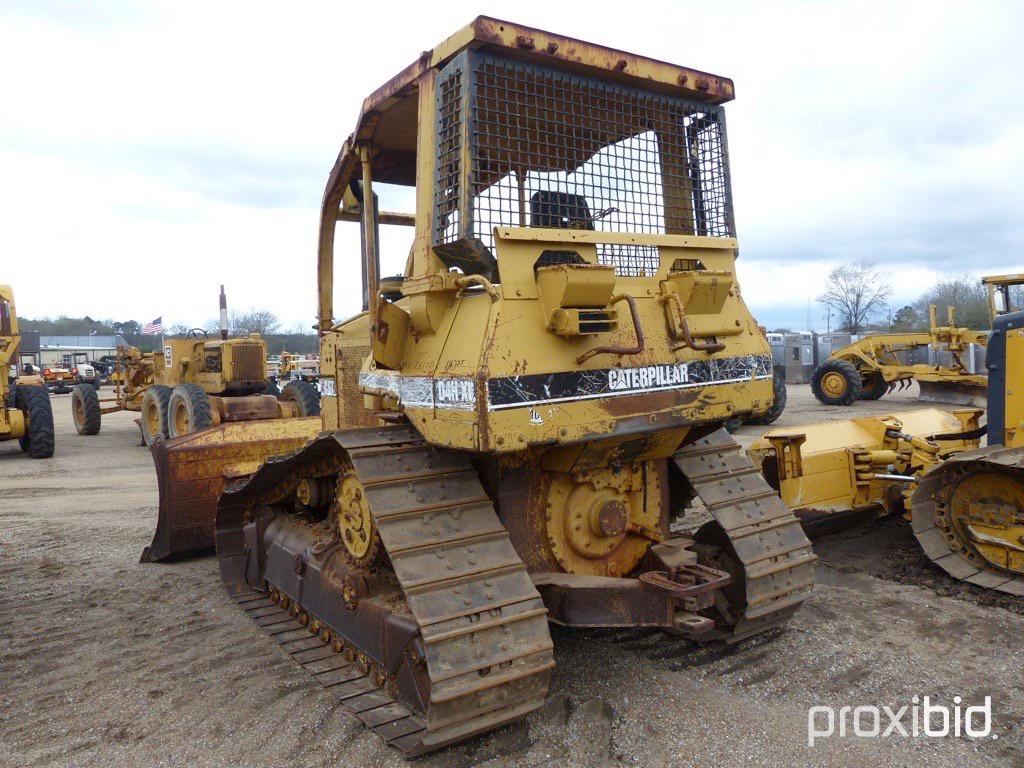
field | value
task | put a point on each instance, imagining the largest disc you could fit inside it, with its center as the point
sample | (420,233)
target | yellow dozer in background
(966,502)
(512,427)
(25,412)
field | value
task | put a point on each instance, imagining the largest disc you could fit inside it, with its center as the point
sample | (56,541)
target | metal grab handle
(640,340)
(684,331)
(467,280)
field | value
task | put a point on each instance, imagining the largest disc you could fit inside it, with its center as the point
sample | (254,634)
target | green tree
(906,319)
(969,298)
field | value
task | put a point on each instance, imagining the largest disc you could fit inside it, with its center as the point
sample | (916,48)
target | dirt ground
(106,662)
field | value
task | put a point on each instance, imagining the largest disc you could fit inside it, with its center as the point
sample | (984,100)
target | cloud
(151,152)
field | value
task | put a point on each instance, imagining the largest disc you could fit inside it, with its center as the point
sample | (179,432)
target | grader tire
(873,385)
(154,413)
(34,402)
(836,382)
(304,394)
(85,409)
(189,410)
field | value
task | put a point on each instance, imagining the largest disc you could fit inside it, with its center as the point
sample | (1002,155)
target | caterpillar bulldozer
(513,429)
(25,411)
(198,382)
(965,502)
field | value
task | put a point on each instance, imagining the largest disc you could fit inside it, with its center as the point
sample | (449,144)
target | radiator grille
(248,360)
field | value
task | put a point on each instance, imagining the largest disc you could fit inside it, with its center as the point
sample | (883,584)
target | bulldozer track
(776,556)
(483,625)
(943,545)
(378,710)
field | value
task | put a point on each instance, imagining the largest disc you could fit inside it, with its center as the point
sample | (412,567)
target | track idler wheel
(350,512)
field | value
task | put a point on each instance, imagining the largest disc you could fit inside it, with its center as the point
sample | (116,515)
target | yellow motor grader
(196,383)
(25,412)
(211,396)
(868,368)
(965,502)
(132,377)
(511,427)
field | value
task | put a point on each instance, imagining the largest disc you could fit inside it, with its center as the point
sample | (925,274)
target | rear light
(74,371)
(47,372)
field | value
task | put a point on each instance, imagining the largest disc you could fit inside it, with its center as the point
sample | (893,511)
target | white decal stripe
(410,390)
(740,380)
(420,391)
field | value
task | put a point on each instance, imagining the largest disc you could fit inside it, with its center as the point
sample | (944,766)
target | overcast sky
(151,151)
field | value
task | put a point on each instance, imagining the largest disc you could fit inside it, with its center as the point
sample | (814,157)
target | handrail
(467,280)
(684,331)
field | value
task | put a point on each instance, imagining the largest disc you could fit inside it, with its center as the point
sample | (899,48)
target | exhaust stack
(223,314)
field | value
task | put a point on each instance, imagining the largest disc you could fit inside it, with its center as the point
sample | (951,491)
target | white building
(57,349)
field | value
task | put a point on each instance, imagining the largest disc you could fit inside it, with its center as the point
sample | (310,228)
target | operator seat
(560,210)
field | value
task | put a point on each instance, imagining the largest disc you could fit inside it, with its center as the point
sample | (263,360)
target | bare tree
(261,321)
(856,293)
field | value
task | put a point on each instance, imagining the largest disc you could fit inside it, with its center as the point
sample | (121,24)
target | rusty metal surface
(775,557)
(462,648)
(192,470)
(577,600)
(638,330)
(693,585)
(941,541)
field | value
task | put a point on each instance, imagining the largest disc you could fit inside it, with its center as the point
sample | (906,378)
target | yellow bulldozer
(511,428)
(965,502)
(25,411)
(196,383)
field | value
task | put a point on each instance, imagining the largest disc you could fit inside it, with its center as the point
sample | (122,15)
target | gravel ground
(107,662)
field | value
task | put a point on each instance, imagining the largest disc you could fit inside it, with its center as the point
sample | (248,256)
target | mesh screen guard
(547,148)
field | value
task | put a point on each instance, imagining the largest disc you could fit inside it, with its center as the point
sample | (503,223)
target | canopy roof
(388,118)
(388,115)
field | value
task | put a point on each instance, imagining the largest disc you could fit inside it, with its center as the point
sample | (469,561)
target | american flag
(157,326)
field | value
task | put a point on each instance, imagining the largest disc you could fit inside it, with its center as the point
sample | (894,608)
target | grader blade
(193,470)
(954,393)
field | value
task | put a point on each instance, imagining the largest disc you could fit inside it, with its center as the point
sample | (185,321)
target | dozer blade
(953,393)
(192,470)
